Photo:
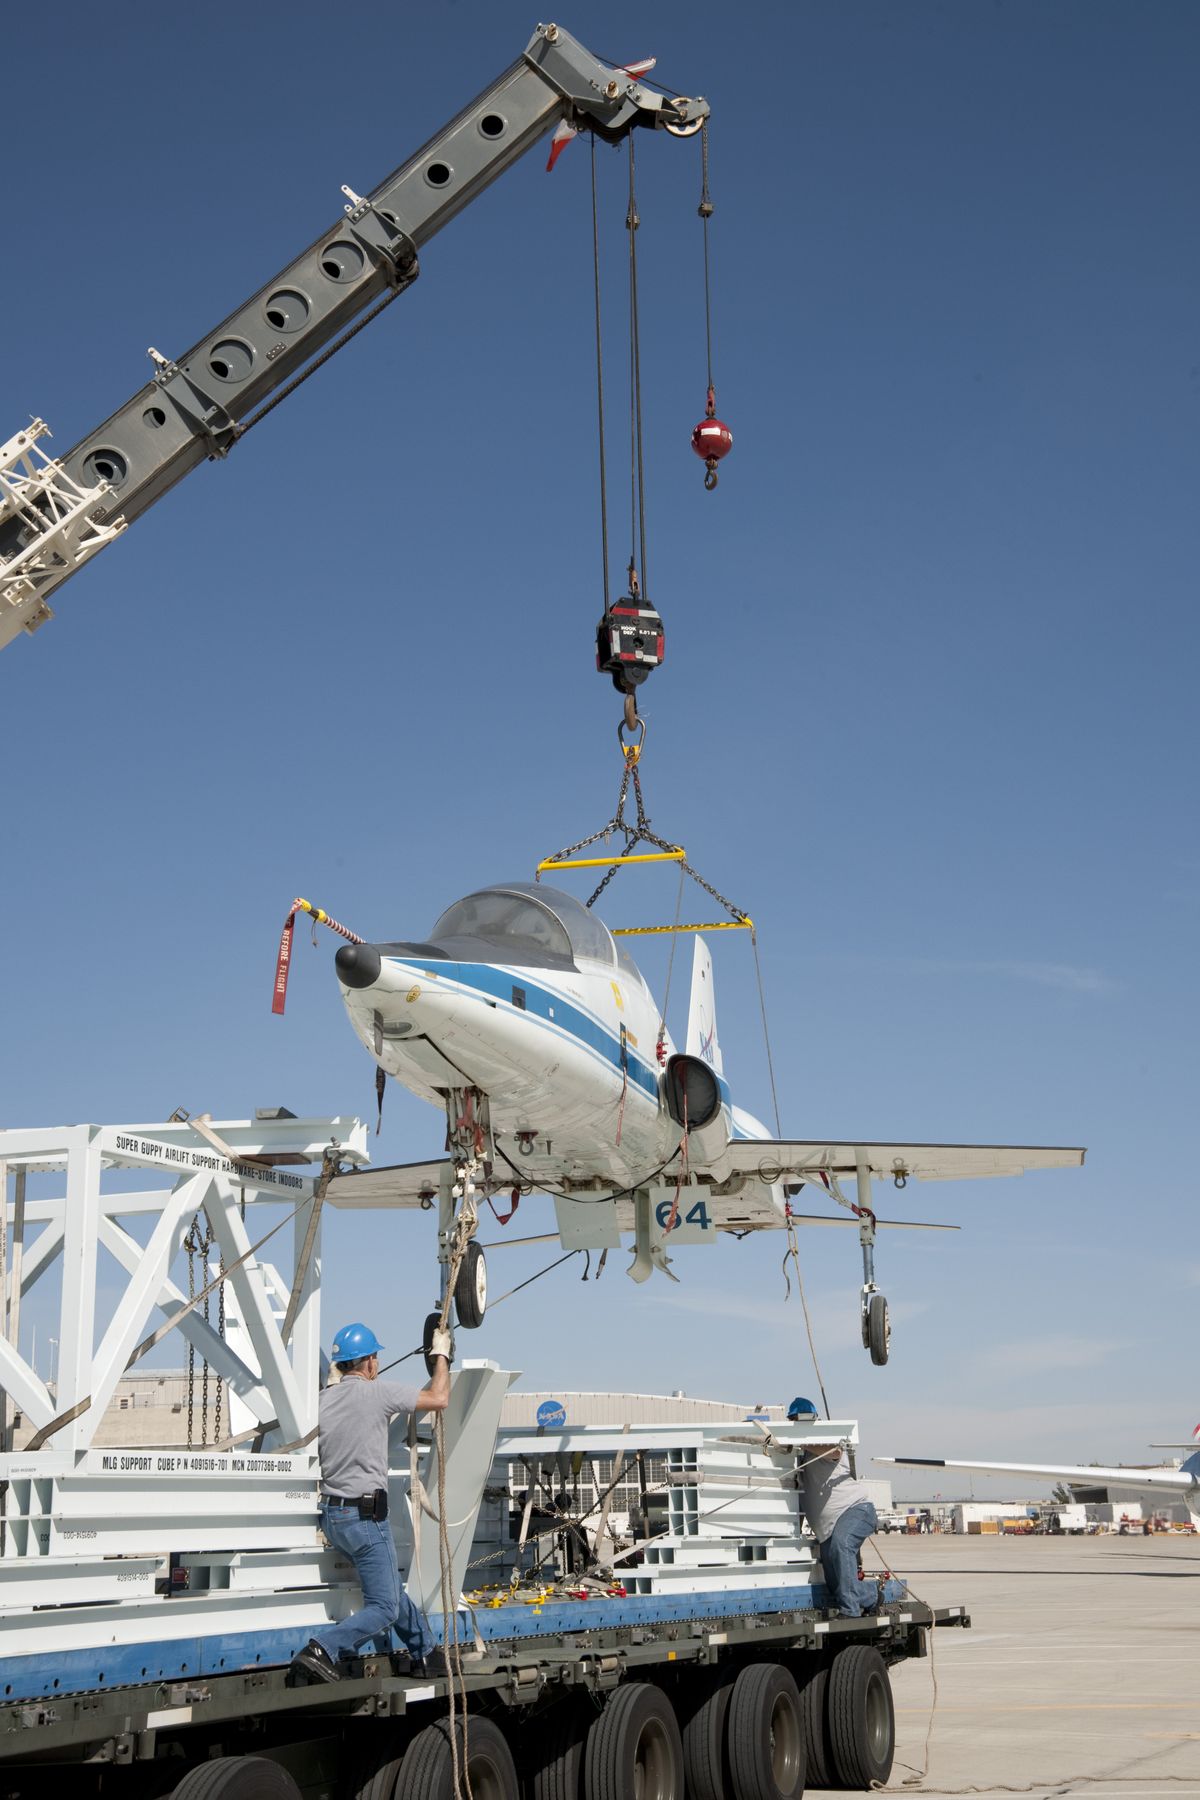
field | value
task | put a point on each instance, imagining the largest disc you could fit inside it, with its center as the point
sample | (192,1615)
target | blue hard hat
(353,1341)
(801,1408)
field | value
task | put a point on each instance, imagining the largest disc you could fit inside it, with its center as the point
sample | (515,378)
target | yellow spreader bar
(655,930)
(608,862)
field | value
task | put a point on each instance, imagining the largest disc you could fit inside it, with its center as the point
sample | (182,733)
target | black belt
(368,1506)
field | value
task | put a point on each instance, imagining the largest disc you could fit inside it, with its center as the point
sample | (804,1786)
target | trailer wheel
(766,1734)
(376,1774)
(862,1720)
(552,1763)
(427,1772)
(879,1330)
(470,1290)
(704,1709)
(634,1748)
(814,1710)
(237,1778)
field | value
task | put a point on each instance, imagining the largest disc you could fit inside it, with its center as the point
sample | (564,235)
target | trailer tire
(634,1747)
(704,1711)
(766,1734)
(378,1771)
(427,1772)
(237,1778)
(553,1765)
(470,1290)
(814,1710)
(862,1718)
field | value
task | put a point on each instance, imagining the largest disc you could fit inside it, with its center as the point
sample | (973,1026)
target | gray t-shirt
(827,1490)
(352,1438)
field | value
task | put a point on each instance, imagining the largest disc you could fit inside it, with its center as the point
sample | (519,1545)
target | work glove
(439,1343)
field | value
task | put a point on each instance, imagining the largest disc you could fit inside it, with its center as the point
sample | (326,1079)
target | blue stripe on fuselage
(498,983)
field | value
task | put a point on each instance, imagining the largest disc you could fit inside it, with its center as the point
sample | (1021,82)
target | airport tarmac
(1080,1673)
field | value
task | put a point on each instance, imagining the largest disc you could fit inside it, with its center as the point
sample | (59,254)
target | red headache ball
(712,439)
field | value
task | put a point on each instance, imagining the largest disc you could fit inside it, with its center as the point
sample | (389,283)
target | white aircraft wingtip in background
(1183,1482)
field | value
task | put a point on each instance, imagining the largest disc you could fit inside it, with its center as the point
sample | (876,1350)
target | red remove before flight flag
(283,963)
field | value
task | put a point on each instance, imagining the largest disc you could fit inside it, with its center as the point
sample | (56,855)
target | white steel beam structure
(275,1383)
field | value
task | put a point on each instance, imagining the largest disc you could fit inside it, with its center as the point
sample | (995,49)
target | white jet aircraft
(524,1019)
(1182,1483)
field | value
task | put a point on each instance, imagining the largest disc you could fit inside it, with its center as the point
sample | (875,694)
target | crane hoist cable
(629,637)
(712,438)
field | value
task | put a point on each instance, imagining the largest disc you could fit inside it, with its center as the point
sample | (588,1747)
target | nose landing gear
(464,1268)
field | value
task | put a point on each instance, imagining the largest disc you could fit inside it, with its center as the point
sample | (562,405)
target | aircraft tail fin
(702,1011)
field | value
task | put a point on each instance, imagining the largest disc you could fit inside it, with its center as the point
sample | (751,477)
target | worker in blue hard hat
(353,1417)
(840,1516)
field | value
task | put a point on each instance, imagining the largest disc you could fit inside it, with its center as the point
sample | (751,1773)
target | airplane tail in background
(702,1011)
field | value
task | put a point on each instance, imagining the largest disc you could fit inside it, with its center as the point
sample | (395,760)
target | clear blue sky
(928,711)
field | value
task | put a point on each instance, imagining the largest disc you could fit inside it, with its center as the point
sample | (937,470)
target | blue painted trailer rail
(226,1653)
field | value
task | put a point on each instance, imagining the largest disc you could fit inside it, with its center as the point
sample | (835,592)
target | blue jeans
(386,1606)
(839,1560)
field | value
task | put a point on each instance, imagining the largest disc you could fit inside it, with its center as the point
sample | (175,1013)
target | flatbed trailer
(546,1693)
(152,1597)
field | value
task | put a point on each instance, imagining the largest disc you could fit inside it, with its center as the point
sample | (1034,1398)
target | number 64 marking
(697,1216)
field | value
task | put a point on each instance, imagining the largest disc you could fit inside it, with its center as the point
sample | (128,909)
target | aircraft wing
(779,1159)
(404,1184)
(1175,1481)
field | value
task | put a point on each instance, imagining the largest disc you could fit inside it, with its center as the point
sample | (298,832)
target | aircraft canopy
(525,922)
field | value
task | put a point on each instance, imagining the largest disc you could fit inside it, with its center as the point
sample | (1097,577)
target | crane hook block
(629,643)
(712,439)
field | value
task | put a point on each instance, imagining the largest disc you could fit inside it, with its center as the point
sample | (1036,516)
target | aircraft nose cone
(358,965)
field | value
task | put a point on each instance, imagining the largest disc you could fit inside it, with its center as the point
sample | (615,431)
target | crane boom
(55,515)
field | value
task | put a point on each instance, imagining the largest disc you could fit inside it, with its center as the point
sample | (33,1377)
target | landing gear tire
(470,1290)
(879,1329)
(237,1778)
(428,1769)
(862,1720)
(766,1735)
(432,1322)
(634,1748)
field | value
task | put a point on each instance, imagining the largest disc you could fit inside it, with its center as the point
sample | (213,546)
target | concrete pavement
(1081,1671)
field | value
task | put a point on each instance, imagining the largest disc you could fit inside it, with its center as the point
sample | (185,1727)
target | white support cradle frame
(269,1381)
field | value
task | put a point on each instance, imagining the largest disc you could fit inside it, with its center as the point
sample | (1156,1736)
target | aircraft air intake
(693,1094)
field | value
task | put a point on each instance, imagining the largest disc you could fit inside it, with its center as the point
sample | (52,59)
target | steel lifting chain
(639,832)
(204,1250)
(193,1232)
(199,1243)
(217,1405)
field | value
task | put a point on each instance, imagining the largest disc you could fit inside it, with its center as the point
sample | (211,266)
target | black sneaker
(433,1667)
(313,1663)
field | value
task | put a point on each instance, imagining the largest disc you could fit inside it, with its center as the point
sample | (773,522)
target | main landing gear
(463,1265)
(876,1325)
